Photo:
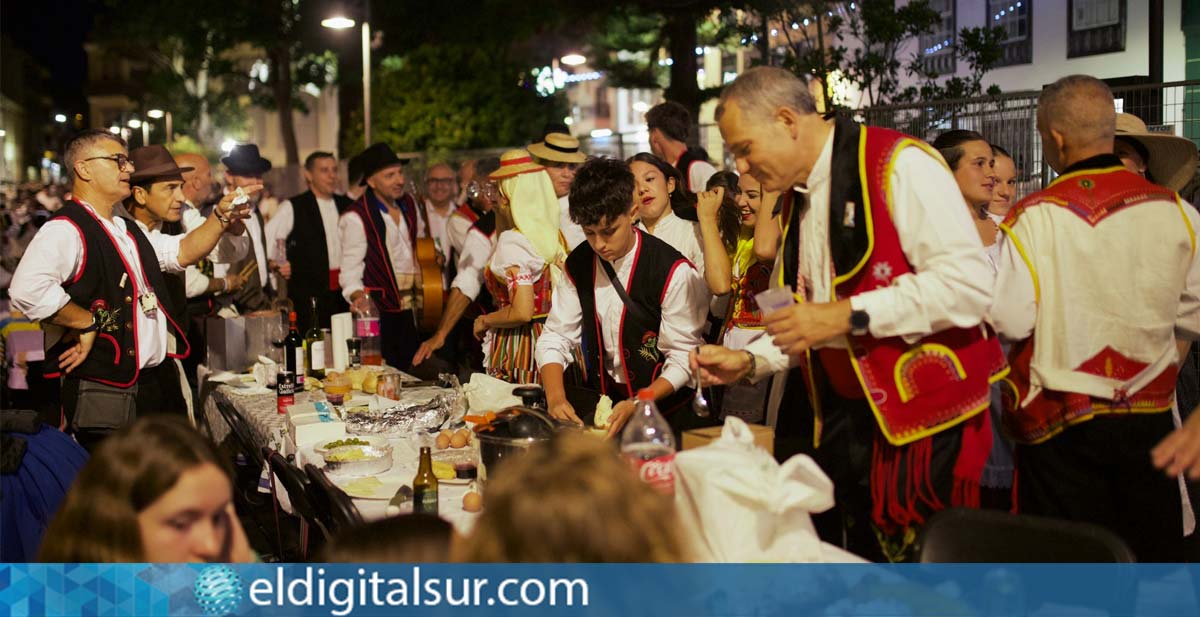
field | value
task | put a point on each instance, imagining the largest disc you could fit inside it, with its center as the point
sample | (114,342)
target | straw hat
(1172,161)
(514,163)
(558,147)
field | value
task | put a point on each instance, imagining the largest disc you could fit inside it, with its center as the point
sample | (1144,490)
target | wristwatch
(860,323)
(746,379)
(92,328)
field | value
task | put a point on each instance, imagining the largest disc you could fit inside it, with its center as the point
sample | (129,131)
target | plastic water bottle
(649,444)
(366,328)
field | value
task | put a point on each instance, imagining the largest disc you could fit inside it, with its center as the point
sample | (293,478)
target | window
(1015,18)
(1095,27)
(937,47)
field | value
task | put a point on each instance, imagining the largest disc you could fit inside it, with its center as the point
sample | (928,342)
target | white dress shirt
(55,256)
(476,251)
(284,220)
(571,231)
(229,250)
(457,228)
(439,230)
(353,240)
(683,236)
(952,283)
(684,310)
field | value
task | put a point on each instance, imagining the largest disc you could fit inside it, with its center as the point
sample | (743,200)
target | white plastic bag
(486,393)
(736,504)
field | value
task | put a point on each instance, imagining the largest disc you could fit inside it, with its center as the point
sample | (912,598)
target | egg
(447,433)
(442,442)
(458,440)
(472,502)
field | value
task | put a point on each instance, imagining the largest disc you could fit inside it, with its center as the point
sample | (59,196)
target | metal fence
(1008,120)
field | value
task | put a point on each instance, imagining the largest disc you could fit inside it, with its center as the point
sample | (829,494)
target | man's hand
(77,353)
(560,409)
(799,327)
(709,202)
(620,415)
(1180,451)
(719,366)
(283,268)
(234,281)
(427,348)
(236,213)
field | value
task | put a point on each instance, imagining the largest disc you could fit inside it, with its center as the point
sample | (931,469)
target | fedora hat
(378,157)
(154,163)
(1171,160)
(244,159)
(558,147)
(514,163)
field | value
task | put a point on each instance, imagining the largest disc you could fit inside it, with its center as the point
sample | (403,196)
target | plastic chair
(296,485)
(336,507)
(964,535)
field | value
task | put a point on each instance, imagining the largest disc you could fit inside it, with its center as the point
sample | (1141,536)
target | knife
(404,494)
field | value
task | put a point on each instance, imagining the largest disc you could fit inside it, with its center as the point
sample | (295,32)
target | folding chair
(331,502)
(964,535)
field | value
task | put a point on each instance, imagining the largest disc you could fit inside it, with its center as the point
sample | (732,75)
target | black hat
(245,160)
(378,156)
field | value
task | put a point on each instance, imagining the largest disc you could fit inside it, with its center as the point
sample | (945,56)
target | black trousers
(1100,472)
(400,338)
(157,390)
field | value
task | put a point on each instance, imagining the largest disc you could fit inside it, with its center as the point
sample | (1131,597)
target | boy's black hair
(602,191)
(673,119)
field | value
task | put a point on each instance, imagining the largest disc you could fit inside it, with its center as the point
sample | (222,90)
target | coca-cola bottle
(649,444)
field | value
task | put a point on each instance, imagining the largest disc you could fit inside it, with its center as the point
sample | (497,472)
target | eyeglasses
(488,190)
(441,181)
(120,159)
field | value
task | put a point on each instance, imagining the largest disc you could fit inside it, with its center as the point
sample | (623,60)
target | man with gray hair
(888,289)
(1098,278)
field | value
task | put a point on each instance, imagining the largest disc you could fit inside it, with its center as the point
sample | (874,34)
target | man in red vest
(1098,278)
(891,285)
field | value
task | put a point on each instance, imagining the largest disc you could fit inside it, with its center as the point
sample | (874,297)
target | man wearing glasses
(440,189)
(95,282)
(303,243)
(559,154)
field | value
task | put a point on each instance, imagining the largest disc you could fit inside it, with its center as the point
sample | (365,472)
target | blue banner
(995,590)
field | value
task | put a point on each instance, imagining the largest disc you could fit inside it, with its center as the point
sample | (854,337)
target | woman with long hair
(520,273)
(154,492)
(659,200)
(969,156)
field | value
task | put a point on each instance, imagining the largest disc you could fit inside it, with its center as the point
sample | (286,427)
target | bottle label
(657,472)
(299,366)
(318,355)
(366,327)
(425,502)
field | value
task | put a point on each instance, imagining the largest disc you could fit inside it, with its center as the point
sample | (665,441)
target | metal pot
(514,431)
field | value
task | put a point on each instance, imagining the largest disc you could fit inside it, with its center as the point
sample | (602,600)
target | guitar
(430,295)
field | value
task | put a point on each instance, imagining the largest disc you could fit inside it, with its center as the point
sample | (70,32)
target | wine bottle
(293,351)
(314,345)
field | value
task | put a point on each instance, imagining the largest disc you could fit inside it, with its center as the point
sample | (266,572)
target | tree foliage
(453,96)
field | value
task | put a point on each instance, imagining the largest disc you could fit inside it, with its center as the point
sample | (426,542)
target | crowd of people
(940,341)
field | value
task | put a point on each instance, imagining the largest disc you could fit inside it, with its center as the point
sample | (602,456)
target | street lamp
(158,113)
(60,118)
(341,22)
(573,59)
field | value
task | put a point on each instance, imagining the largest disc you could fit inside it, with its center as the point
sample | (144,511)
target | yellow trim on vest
(1085,172)
(814,397)
(866,195)
(902,387)
(1092,416)
(1037,288)
(1186,222)
(919,435)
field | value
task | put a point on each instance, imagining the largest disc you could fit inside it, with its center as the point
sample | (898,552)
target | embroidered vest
(754,277)
(915,390)
(1092,195)
(654,263)
(378,273)
(114,358)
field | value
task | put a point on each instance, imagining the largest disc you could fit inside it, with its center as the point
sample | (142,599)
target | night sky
(53,34)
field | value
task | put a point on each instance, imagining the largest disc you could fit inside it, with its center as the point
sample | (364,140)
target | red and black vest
(106,286)
(1092,194)
(378,274)
(690,157)
(654,263)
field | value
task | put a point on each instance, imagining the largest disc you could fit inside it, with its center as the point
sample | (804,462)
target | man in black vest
(634,304)
(307,225)
(95,283)
(670,124)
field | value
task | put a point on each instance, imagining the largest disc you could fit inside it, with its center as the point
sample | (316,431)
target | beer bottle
(425,486)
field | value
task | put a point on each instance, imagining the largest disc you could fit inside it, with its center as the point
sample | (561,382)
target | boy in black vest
(635,305)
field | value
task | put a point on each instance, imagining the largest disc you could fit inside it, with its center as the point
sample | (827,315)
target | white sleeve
(1187,323)
(279,228)
(195,283)
(457,228)
(166,249)
(1014,315)
(684,314)
(515,251)
(698,174)
(353,237)
(53,257)
(477,249)
(953,283)
(229,248)
(564,327)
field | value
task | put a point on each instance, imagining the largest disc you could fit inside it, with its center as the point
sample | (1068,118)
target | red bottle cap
(645,394)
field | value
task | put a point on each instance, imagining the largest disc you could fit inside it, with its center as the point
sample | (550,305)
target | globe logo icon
(218,590)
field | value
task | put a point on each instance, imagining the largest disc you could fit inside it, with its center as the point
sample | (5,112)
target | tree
(453,96)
